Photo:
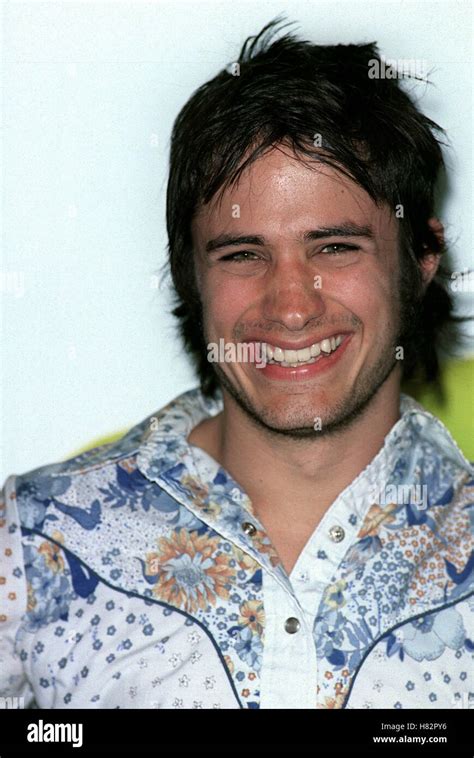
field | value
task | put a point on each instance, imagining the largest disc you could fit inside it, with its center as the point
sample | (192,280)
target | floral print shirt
(136,575)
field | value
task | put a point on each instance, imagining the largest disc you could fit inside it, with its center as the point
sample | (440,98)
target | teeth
(278,354)
(285,364)
(295,358)
(304,354)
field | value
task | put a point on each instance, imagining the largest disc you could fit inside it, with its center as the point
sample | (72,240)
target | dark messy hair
(287,92)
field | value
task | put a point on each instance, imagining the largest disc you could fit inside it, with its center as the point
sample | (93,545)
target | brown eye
(234,256)
(342,249)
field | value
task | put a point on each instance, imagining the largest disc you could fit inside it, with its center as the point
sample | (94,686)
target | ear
(430,261)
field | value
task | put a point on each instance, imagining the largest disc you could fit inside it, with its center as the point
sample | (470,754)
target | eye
(345,249)
(235,256)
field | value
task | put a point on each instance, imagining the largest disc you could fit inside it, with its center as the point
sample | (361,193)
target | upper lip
(285,345)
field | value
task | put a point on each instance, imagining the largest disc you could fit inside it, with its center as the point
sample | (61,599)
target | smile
(302,357)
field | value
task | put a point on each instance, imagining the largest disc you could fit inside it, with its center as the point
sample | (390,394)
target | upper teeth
(305,354)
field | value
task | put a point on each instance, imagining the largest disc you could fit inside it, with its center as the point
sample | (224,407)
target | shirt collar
(417,449)
(165,440)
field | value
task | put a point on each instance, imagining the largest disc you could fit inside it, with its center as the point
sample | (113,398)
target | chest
(289,539)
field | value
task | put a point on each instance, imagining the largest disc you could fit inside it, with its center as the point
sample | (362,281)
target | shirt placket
(290,666)
(289,671)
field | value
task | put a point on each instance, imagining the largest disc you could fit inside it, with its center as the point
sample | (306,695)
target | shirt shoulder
(40,510)
(35,490)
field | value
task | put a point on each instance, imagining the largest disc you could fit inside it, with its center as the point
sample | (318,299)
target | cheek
(225,299)
(370,300)
(355,293)
(366,293)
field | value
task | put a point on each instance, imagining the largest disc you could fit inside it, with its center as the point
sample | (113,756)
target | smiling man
(257,285)
(294,532)
(256,277)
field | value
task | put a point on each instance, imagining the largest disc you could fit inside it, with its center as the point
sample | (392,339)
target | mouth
(305,363)
(291,358)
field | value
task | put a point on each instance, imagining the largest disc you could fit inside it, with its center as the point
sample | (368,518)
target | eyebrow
(347,229)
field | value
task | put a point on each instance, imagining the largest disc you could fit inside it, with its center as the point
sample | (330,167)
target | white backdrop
(90,91)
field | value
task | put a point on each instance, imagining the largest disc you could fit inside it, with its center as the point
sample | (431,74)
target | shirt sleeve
(13,599)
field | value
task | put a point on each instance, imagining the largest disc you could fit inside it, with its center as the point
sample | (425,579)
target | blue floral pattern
(131,582)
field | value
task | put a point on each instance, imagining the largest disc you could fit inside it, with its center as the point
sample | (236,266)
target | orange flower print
(262,543)
(375,518)
(200,491)
(52,556)
(230,663)
(252,615)
(200,495)
(31,599)
(128,464)
(190,572)
(333,702)
(245,561)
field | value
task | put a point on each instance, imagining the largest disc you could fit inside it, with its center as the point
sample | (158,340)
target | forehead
(281,193)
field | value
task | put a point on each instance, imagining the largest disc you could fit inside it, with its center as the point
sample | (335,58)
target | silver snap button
(337,533)
(292,625)
(248,528)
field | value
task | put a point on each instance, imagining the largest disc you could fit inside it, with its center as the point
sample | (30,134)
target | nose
(291,298)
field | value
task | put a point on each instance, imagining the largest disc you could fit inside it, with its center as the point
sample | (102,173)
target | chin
(290,415)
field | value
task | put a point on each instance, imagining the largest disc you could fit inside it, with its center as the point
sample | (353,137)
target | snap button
(248,528)
(292,625)
(337,533)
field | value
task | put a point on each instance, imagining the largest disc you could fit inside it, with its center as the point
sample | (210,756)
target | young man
(294,533)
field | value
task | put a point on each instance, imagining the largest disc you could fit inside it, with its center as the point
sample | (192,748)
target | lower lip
(302,373)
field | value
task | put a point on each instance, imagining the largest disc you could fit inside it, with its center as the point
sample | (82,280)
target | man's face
(294,290)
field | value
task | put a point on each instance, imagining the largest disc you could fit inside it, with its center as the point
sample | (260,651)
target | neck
(297,479)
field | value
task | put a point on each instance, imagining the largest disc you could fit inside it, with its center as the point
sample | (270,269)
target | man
(294,533)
